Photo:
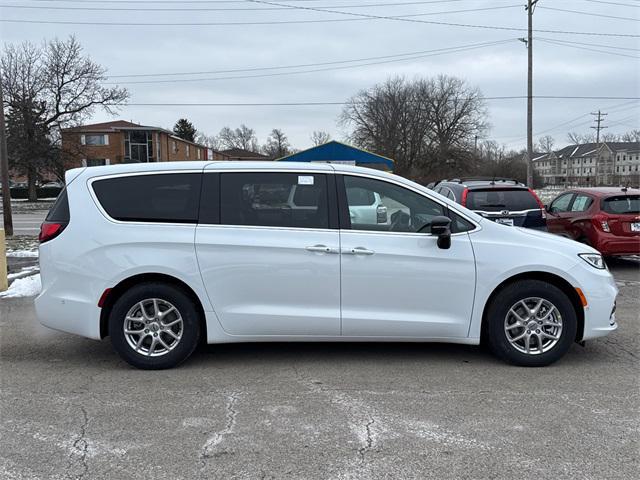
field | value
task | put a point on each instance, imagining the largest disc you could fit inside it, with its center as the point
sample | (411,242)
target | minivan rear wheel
(154,326)
(531,323)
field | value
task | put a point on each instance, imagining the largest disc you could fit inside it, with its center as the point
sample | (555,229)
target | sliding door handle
(321,249)
(359,251)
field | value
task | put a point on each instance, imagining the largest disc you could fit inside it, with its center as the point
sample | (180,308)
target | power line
(561,43)
(313,104)
(612,3)
(231,9)
(359,17)
(393,59)
(615,47)
(590,14)
(218,1)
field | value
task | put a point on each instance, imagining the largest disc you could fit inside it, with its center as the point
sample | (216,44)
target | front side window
(393,209)
(165,198)
(274,199)
(561,204)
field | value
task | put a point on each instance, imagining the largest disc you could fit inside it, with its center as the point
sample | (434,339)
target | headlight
(593,259)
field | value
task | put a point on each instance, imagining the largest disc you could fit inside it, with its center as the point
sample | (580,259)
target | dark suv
(502,200)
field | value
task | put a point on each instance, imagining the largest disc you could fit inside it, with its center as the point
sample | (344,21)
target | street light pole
(4,172)
(530,7)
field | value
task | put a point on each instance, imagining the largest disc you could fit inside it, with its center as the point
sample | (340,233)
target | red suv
(608,219)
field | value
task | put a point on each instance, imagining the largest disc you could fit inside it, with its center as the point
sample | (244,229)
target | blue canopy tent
(336,152)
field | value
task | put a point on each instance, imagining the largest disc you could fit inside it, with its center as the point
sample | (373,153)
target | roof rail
(483,179)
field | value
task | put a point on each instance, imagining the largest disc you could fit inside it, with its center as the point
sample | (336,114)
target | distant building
(591,164)
(239,154)
(125,142)
(337,152)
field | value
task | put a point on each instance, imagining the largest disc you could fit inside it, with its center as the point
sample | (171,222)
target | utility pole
(531,4)
(4,172)
(598,126)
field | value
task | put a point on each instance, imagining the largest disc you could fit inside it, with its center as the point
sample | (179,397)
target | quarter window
(394,208)
(273,199)
(167,198)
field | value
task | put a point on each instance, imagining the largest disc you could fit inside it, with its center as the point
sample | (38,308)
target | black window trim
(99,206)
(345,220)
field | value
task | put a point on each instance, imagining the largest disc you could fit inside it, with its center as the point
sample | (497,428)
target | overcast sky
(498,70)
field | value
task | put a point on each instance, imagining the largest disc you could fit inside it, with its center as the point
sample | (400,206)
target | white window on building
(94,139)
(188,150)
(199,154)
(174,146)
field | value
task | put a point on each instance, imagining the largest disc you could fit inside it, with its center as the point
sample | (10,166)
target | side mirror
(441,226)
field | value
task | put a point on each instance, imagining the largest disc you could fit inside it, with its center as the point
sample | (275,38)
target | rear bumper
(63,311)
(609,244)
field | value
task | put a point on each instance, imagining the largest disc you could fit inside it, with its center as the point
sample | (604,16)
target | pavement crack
(80,447)
(368,440)
(208,449)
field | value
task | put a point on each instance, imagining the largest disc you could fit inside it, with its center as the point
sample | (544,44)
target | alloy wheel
(533,325)
(153,327)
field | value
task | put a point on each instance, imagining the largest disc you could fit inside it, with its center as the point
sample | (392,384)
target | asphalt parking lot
(70,408)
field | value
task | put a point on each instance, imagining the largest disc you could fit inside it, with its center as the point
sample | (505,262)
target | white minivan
(161,256)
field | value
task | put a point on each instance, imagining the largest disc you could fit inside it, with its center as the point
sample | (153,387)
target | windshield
(624,204)
(493,200)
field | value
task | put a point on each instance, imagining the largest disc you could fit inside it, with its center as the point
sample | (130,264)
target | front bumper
(599,314)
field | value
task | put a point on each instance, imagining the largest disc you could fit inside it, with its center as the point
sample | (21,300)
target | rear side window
(581,203)
(494,200)
(59,213)
(624,204)
(274,199)
(166,198)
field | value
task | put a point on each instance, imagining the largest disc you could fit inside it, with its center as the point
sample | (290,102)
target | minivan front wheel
(154,326)
(531,323)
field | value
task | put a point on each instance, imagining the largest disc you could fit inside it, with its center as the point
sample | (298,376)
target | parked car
(608,219)
(158,256)
(52,185)
(502,200)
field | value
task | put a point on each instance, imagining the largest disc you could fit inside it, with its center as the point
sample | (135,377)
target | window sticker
(305,180)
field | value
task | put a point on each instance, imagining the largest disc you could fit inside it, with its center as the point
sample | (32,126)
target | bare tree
(428,126)
(545,144)
(277,145)
(242,137)
(631,136)
(52,86)
(577,138)
(318,137)
(209,141)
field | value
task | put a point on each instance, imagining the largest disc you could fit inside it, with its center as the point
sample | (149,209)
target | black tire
(190,330)
(508,297)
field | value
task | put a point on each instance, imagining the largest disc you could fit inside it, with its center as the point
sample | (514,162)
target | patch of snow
(22,253)
(23,273)
(24,287)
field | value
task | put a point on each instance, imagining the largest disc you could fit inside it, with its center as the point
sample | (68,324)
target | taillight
(540,204)
(50,230)
(465,192)
(601,222)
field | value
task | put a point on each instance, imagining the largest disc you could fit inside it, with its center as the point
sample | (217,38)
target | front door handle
(359,251)
(321,249)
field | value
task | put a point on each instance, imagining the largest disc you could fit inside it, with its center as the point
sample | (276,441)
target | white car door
(396,282)
(268,268)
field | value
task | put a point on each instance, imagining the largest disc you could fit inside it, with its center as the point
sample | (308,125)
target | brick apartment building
(125,142)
